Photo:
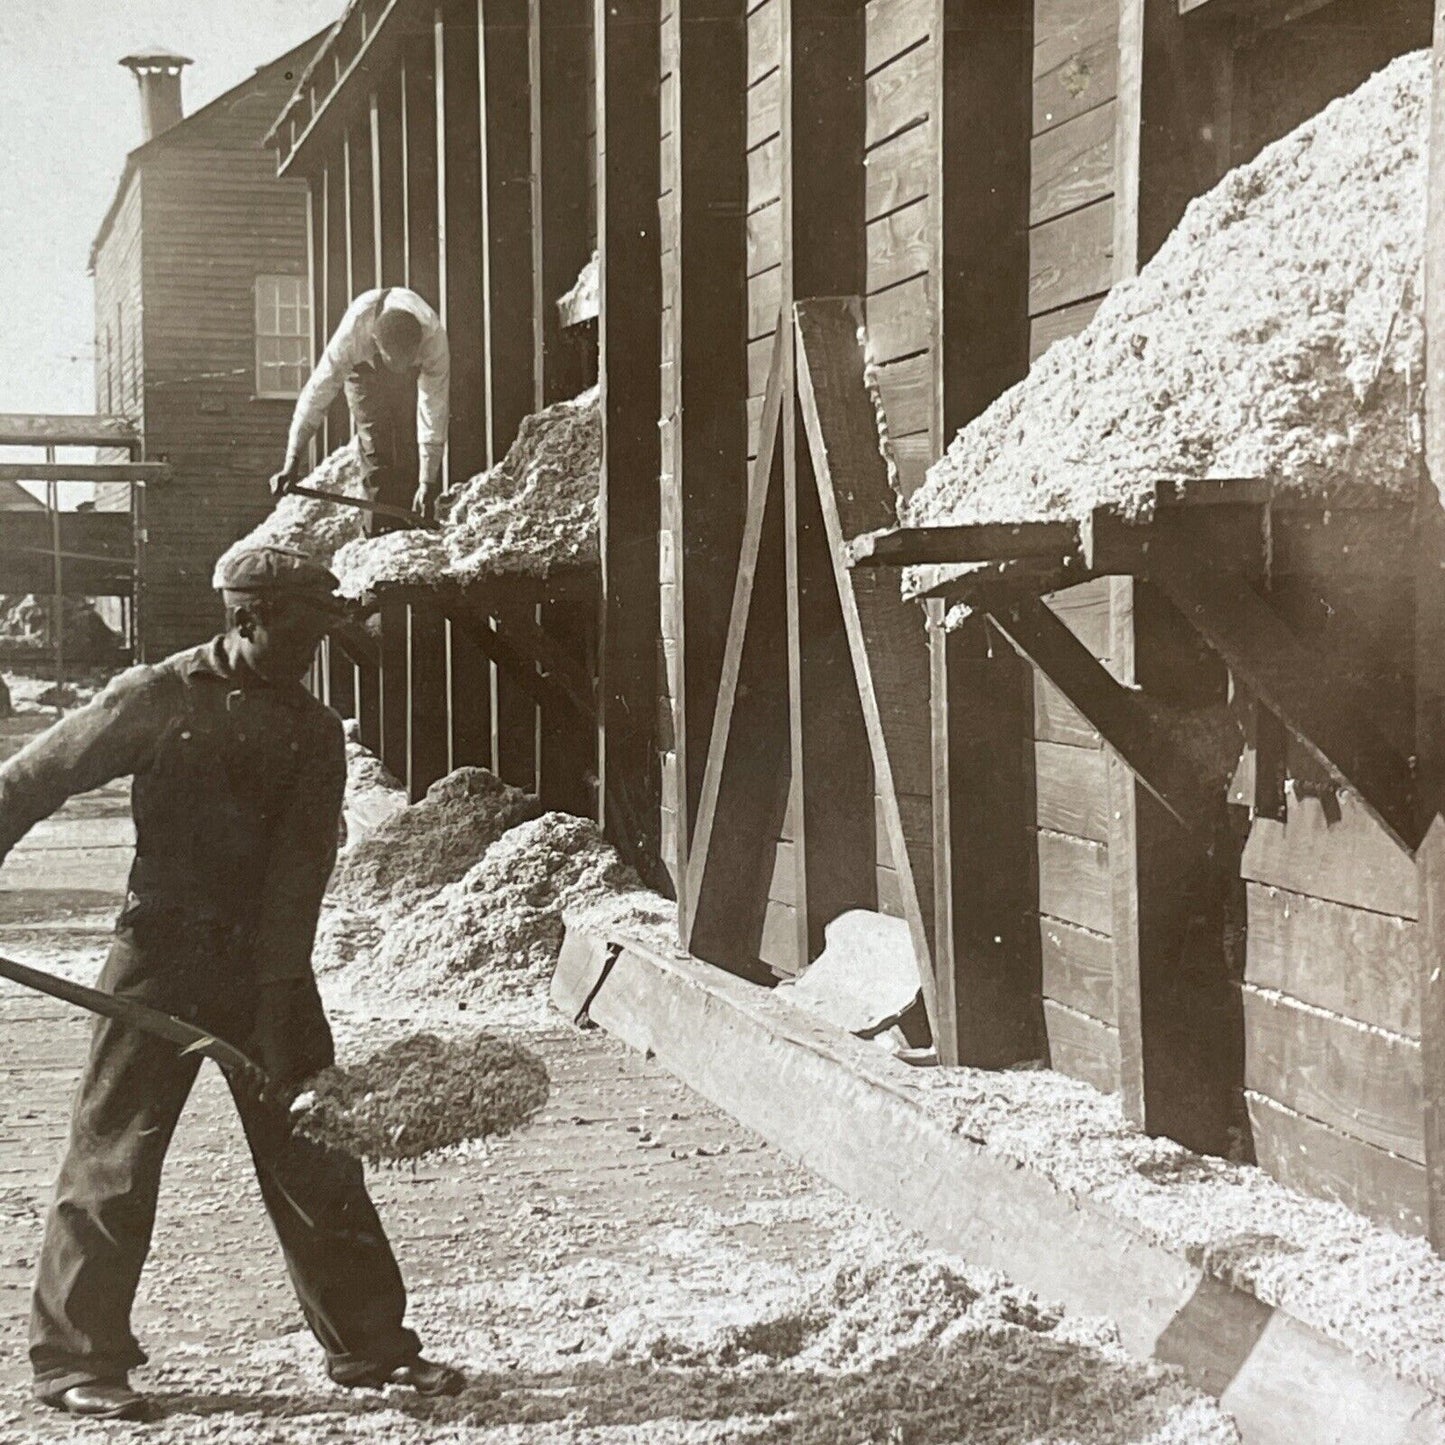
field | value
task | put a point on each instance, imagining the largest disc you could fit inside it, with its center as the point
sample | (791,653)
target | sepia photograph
(722,722)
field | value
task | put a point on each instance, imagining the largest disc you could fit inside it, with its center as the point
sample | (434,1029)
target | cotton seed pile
(1249,345)
(424,847)
(494,935)
(532,514)
(373,794)
(302,524)
(422,1093)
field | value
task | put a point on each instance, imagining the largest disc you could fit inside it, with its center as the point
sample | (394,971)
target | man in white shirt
(390,353)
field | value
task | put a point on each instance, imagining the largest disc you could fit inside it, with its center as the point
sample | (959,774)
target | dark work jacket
(237,797)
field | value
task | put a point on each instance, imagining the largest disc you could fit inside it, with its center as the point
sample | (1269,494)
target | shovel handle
(382,509)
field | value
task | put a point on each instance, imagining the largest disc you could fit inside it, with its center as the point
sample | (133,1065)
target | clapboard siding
(119,339)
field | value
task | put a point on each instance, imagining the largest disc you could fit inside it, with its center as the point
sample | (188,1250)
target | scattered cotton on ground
(303,524)
(533,514)
(1247,346)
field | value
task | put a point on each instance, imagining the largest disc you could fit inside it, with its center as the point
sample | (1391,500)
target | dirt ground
(632,1266)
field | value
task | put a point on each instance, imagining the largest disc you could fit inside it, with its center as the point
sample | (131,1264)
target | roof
(177,134)
(326,42)
(14,498)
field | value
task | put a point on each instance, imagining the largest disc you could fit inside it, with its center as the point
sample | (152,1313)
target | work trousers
(383,411)
(100,1224)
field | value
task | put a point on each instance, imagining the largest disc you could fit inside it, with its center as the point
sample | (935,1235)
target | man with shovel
(391,356)
(239,776)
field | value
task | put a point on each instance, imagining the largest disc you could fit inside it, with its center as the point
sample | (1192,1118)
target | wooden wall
(119,342)
(903,259)
(205,244)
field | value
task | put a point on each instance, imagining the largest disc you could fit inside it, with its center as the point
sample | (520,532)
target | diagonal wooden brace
(1300,687)
(1117,712)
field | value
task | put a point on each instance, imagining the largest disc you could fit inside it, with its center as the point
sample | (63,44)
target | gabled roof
(182,131)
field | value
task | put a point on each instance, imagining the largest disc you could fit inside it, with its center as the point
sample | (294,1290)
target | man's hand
(290,1039)
(424,504)
(286,478)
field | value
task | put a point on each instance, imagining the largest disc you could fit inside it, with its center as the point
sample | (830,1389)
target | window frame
(281,284)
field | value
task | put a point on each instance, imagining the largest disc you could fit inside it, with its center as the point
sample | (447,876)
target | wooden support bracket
(982,542)
(1118,713)
(1301,689)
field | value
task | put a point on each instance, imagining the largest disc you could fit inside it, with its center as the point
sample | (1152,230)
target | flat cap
(276,570)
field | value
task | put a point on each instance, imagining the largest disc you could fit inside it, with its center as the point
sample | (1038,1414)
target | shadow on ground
(993,1391)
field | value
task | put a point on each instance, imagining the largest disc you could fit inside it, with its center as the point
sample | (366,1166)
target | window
(283,335)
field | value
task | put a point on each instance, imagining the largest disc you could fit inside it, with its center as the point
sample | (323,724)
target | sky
(70,115)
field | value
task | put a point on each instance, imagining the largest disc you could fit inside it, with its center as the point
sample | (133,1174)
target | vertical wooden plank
(374,149)
(428,729)
(362,213)
(1170,898)
(467,450)
(390,173)
(567,768)
(984,110)
(392,698)
(561,245)
(627,37)
(506,217)
(705,471)
(515,719)
(341,684)
(368,706)
(823,186)
(469,702)
(338,286)
(988,961)
(986,948)
(1430,670)
(439,137)
(422,210)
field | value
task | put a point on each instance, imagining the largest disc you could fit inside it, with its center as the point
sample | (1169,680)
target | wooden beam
(139,472)
(361,215)
(43,429)
(389,173)
(469,702)
(745,786)
(567,737)
(422,203)
(979,542)
(704,430)
(885,636)
(1430,667)
(1117,712)
(1299,687)
(986,933)
(561,245)
(394,703)
(428,702)
(506,218)
(753,554)
(630,339)
(464,302)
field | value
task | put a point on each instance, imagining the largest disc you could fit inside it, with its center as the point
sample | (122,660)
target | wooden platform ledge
(843,1108)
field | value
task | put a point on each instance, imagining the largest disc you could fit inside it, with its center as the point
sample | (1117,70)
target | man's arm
(324,385)
(111,737)
(433,411)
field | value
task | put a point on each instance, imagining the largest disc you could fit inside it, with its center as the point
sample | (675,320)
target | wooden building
(814,216)
(202,327)
(450,148)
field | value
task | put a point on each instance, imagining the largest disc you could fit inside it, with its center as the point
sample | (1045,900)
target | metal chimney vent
(158,73)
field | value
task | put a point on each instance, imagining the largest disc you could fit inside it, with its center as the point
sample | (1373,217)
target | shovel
(187,1037)
(404,515)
